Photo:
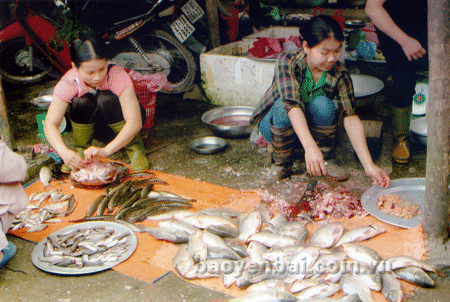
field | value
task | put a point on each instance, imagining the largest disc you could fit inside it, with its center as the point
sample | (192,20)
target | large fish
(414,275)
(301,263)
(395,262)
(320,290)
(295,229)
(368,274)
(182,261)
(248,226)
(203,221)
(266,295)
(362,254)
(392,289)
(360,234)
(197,248)
(354,285)
(274,240)
(327,235)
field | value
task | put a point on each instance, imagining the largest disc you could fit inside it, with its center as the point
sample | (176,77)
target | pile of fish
(34,217)
(135,200)
(82,247)
(276,259)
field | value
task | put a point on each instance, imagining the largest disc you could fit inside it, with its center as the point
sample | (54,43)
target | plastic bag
(232,23)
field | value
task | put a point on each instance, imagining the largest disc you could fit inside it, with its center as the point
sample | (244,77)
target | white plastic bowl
(419,128)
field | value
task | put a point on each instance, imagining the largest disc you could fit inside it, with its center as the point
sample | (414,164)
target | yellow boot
(401,121)
(135,149)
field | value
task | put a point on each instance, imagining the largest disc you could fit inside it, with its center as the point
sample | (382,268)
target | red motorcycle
(30,49)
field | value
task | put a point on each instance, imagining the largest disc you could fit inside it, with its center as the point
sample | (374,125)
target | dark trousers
(403,72)
(102,109)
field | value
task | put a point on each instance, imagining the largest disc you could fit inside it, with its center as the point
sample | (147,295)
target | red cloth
(266,47)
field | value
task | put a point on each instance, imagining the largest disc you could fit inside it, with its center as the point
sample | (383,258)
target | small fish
(414,275)
(392,289)
(37,228)
(70,204)
(360,234)
(45,175)
(327,235)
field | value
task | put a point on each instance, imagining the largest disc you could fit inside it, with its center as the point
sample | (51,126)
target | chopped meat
(396,206)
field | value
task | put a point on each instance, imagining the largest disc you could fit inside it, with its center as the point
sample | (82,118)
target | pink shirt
(117,81)
(13,170)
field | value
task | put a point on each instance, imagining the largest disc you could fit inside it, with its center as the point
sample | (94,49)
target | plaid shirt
(287,80)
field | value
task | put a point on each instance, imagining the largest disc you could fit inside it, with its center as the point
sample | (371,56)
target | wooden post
(212,16)
(5,129)
(437,198)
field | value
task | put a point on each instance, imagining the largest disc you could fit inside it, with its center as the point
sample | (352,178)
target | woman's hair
(87,46)
(320,28)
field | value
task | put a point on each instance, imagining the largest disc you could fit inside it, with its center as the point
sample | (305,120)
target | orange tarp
(153,258)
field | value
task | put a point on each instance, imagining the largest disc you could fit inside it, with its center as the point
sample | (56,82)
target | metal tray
(39,250)
(409,189)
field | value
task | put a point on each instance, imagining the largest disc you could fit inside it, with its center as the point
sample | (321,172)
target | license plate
(192,10)
(182,28)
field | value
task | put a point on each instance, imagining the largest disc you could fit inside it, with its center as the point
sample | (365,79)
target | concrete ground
(178,122)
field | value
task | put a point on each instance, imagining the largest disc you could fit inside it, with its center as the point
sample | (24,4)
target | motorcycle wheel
(178,63)
(14,62)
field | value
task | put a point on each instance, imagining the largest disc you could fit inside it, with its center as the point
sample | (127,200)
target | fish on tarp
(266,295)
(322,290)
(301,263)
(414,275)
(203,221)
(168,234)
(178,225)
(295,229)
(270,283)
(197,248)
(368,275)
(274,240)
(360,234)
(45,175)
(354,285)
(182,261)
(395,262)
(327,235)
(249,225)
(392,289)
(362,254)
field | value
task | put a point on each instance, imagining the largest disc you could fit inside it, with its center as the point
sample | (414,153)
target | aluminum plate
(38,251)
(411,190)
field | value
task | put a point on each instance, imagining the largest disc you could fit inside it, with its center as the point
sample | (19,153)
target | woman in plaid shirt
(311,93)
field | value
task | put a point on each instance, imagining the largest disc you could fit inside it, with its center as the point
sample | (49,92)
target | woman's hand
(413,49)
(73,160)
(93,152)
(315,163)
(379,176)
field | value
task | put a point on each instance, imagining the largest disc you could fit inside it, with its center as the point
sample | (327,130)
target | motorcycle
(31,50)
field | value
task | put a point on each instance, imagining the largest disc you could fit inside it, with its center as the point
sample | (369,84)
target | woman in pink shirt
(96,94)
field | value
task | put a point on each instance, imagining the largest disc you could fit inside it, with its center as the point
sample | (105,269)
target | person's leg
(81,113)
(7,249)
(277,129)
(111,112)
(404,77)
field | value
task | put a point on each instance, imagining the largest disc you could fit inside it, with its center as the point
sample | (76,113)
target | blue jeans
(319,112)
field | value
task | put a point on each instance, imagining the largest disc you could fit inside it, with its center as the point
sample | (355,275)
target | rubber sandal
(9,251)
